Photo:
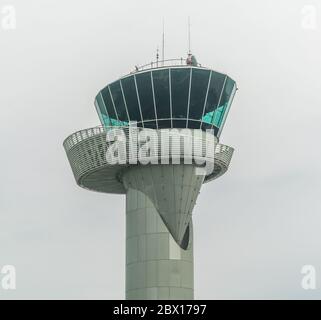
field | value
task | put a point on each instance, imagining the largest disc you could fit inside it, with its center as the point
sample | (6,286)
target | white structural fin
(172,188)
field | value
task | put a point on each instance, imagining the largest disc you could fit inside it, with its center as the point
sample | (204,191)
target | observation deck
(174,93)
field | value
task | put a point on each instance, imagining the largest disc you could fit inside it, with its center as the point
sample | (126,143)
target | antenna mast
(157,56)
(189,35)
(163,43)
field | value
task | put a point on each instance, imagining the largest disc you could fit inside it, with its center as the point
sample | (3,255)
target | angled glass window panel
(194,124)
(101,110)
(214,94)
(179,123)
(208,117)
(217,115)
(164,124)
(99,104)
(180,78)
(226,96)
(150,124)
(144,87)
(106,121)
(162,97)
(226,111)
(130,94)
(198,93)
(108,103)
(118,123)
(117,96)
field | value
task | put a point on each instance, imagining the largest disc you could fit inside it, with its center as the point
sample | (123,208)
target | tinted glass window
(108,103)
(130,94)
(179,123)
(227,107)
(180,93)
(99,104)
(194,124)
(180,89)
(161,89)
(101,110)
(217,116)
(164,124)
(150,124)
(118,99)
(144,86)
(226,95)
(214,94)
(198,93)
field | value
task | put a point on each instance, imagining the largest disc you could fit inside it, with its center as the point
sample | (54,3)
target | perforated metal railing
(180,142)
(196,135)
(81,135)
(164,63)
(87,150)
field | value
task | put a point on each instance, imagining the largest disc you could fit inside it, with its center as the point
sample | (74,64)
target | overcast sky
(254,228)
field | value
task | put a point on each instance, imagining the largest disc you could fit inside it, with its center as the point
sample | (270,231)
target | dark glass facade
(173,97)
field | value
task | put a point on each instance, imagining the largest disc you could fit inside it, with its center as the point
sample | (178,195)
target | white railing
(163,63)
(89,150)
(86,134)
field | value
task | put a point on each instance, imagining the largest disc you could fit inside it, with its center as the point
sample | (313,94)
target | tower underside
(172,189)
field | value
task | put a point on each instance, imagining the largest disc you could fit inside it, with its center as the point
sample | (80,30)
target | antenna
(189,35)
(163,43)
(157,56)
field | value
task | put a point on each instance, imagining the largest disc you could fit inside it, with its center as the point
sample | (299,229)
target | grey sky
(254,228)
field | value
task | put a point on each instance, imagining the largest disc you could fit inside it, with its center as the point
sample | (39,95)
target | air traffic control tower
(158,142)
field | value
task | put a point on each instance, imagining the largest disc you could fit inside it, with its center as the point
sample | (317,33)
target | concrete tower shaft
(156,266)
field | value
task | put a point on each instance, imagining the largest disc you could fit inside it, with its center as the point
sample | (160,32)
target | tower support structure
(156,266)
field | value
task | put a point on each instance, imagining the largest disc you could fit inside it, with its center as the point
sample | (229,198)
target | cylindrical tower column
(156,266)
